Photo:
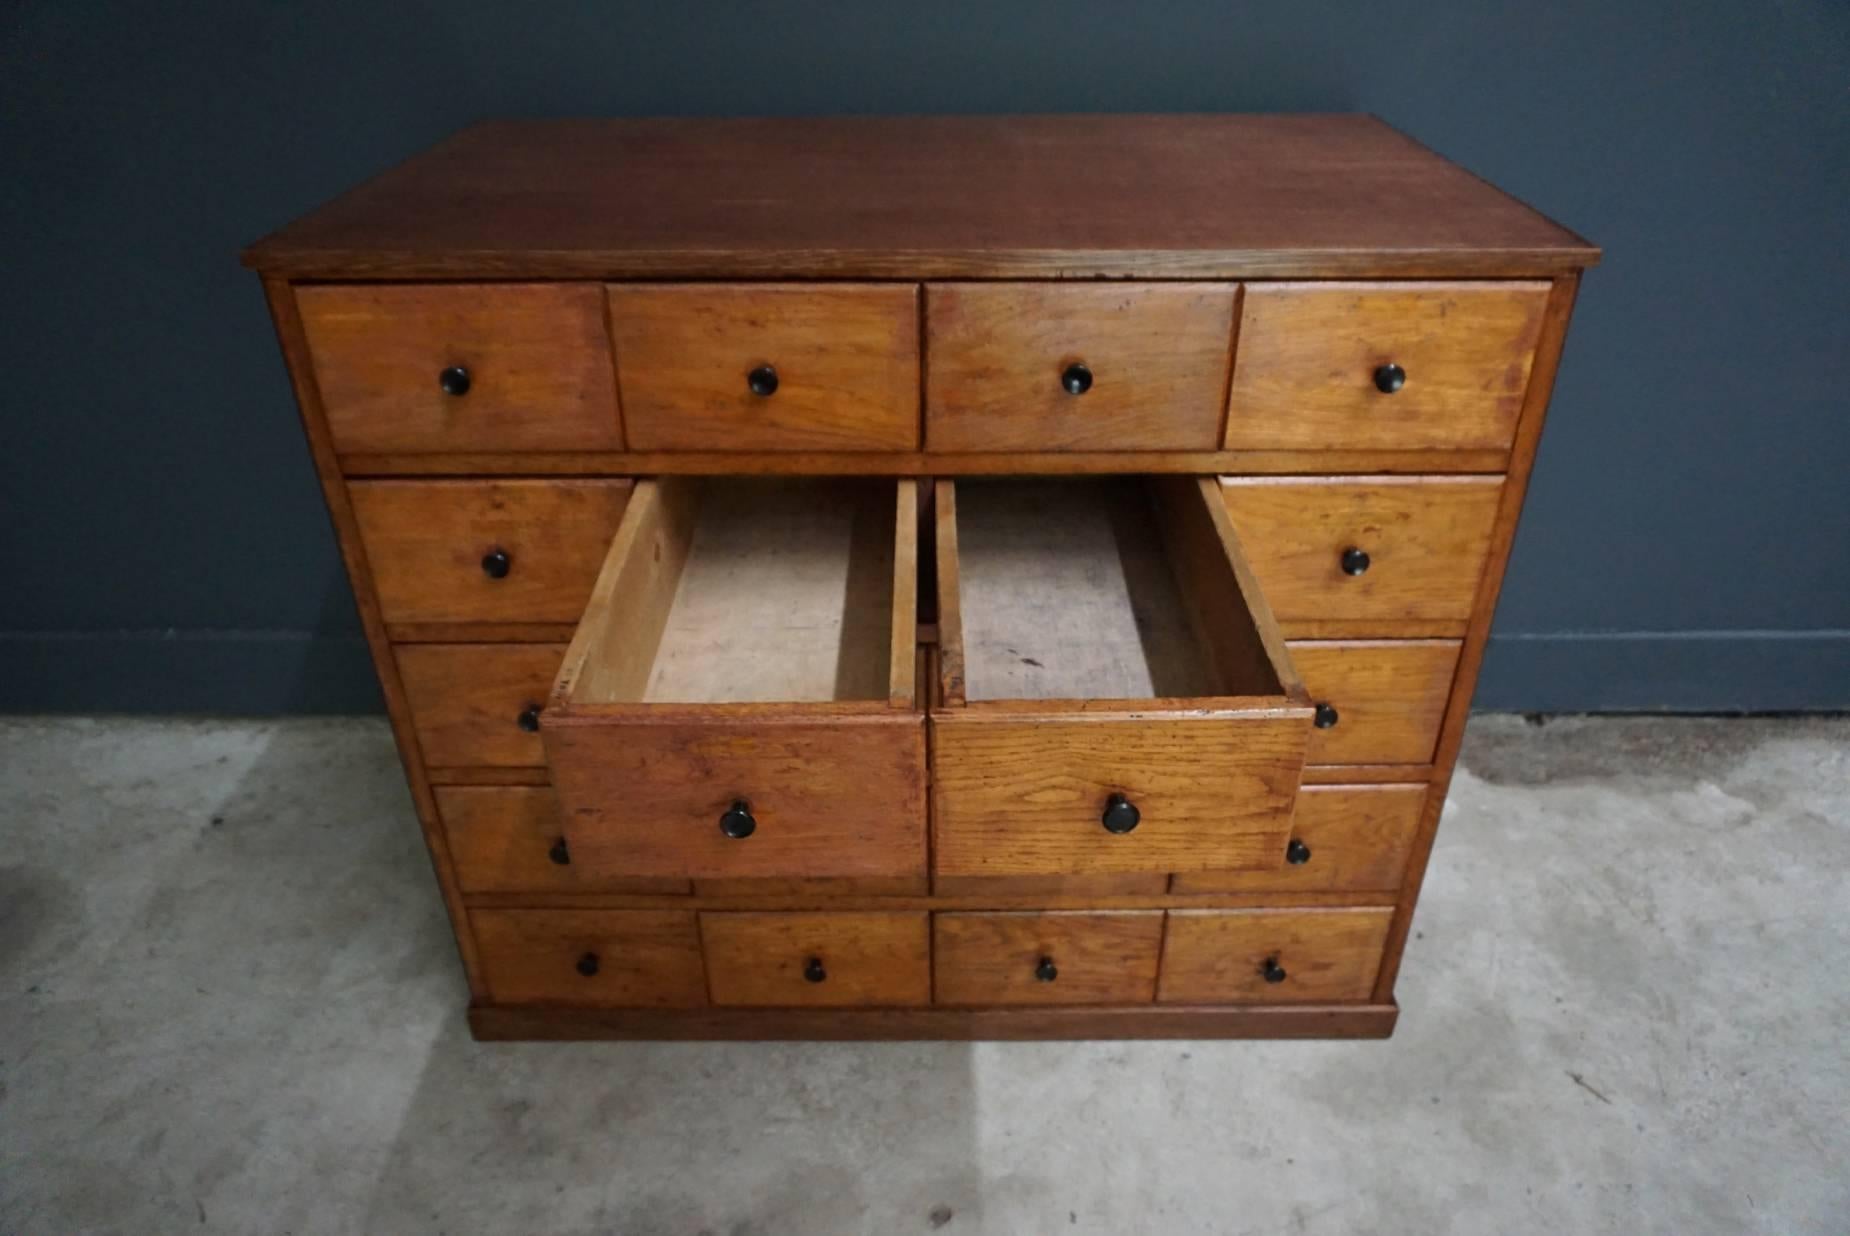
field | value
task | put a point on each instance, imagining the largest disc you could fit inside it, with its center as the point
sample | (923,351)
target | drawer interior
(1118,588)
(741,591)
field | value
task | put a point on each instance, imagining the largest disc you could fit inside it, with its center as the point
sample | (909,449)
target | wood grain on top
(942,197)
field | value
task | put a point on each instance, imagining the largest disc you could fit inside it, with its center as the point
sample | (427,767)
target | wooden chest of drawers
(1016,577)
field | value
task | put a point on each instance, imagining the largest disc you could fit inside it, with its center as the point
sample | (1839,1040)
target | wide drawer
(740,699)
(478,704)
(1043,367)
(818,959)
(1366,548)
(1271,956)
(462,367)
(614,958)
(1344,839)
(1113,694)
(1377,701)
(1382,366)
(1046,957)
(768,367)
(508,839)
(486,551)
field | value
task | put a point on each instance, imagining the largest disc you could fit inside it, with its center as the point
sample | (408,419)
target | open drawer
(741,696)
(1113,696)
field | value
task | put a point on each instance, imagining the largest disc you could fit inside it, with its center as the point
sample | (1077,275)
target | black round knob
(763,381)
(560,853)
(737,821)
(1273,972)
(1077,379)
(587,965)
(1297,853)
(1045,971)
(496,563)
(1326,716)
(1390,378)
(1355,561)
(813,971)
(454,380)
(1121,814)
(529,719)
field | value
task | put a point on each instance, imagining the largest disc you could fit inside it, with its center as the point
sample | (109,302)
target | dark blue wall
(1687,541)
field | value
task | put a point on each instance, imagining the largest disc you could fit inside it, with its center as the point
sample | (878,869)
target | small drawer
(462,367)
(819,887)
(1113,697)
(508,839)
(1377,701)
(1372,548)
(486,551)
(1046,367)
(740,699)
(1344,839)
(478,704)
(1382,366)
(1046,958)
(767,366)
(818,959)
(1141,883)
(1272,956)
(606,958)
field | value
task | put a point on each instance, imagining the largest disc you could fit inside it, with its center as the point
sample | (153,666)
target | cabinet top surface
(1187,197)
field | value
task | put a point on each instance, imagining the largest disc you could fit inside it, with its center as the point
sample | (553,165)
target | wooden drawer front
(818,959)
(824,799)
(845,357)
(1114,698)
(740,699)
(997,357)
(1309,370)
(1388,697)
(1046,958)
(611,958)
(486,551)
(1344,838)
(509,839)
(478,704)
(1271,956)
(1029,797)
(1387,548)
(538,366)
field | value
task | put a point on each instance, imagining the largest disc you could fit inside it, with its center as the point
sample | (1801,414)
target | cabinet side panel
(289,333)
(1464,681)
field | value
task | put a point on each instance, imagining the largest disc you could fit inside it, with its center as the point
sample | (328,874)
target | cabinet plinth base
(1144,1021)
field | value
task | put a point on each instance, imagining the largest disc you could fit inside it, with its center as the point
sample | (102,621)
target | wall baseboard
(275,673)
(1667,671)
(239,673)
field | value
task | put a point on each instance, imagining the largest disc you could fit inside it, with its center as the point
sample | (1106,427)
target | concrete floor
(229,1003)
